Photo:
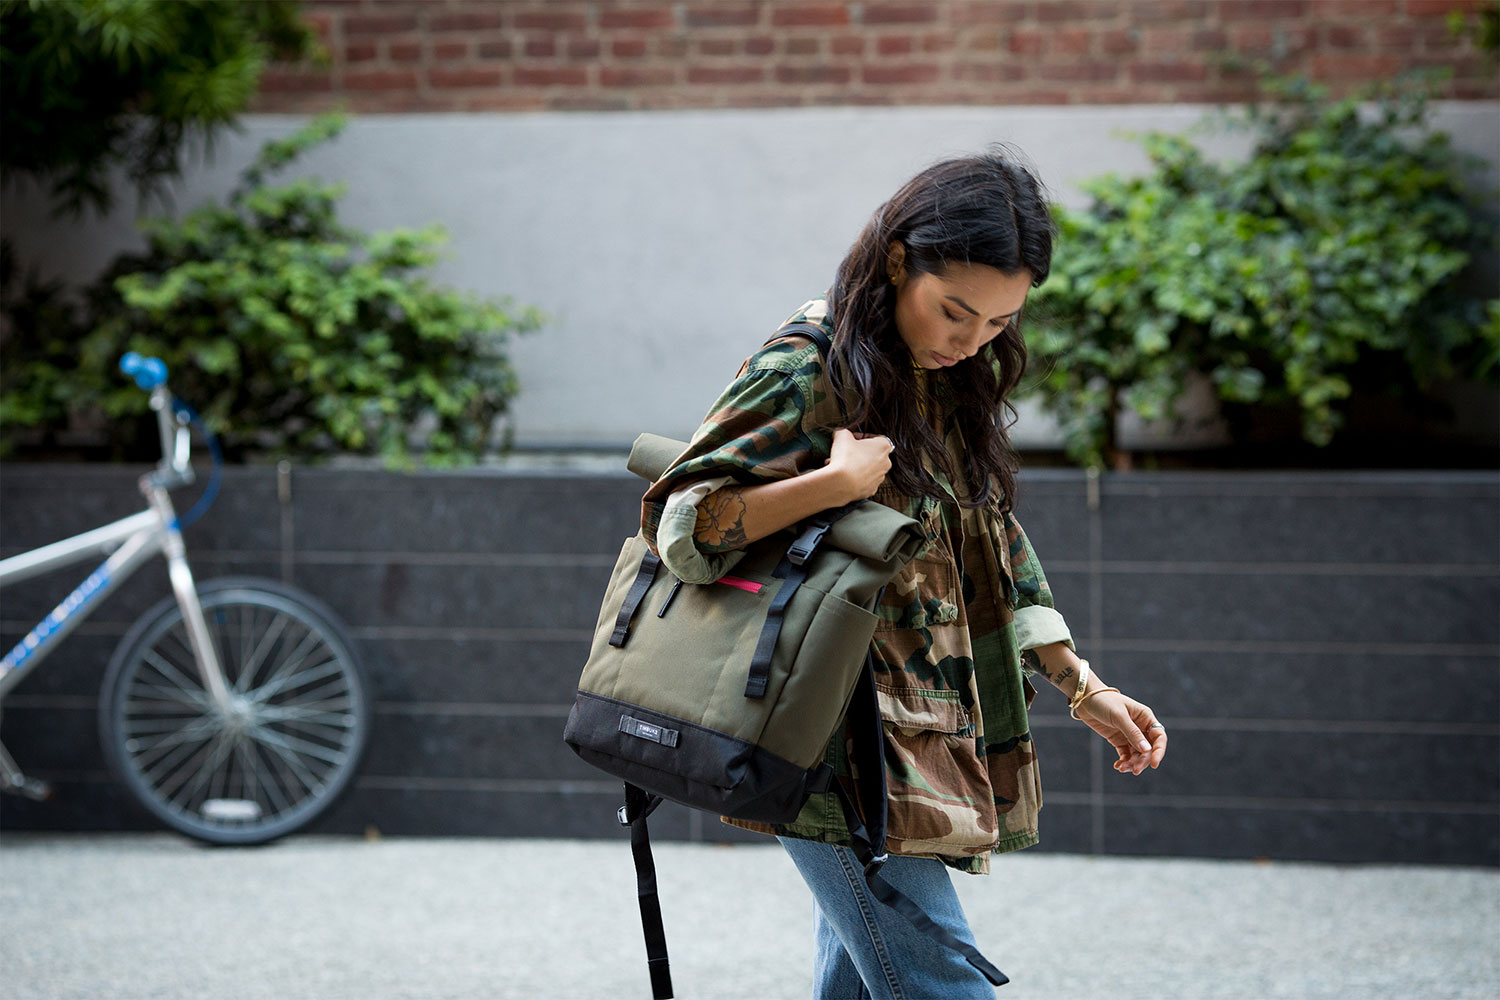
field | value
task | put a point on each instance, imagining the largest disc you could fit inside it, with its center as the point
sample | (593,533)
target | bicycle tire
(290,746)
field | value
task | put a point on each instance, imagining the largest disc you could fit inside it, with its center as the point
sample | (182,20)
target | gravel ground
(327,918)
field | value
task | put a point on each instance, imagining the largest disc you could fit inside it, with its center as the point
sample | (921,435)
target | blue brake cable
(212,488)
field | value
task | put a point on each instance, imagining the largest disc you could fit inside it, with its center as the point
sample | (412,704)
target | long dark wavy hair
(984,209)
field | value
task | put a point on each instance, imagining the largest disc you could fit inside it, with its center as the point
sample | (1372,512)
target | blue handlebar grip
(149,372)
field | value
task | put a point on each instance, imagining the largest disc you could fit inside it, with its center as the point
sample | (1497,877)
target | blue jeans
(868,951)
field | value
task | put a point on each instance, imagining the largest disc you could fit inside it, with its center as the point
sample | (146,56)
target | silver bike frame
(133,540)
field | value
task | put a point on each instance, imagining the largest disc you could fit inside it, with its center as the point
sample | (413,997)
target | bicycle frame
(133,540)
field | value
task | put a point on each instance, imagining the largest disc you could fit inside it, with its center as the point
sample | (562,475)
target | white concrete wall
(666,245)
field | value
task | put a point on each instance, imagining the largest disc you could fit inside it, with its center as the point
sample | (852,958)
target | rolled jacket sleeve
(1037,620)
(753,434)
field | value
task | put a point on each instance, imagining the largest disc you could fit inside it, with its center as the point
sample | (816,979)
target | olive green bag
(724,695)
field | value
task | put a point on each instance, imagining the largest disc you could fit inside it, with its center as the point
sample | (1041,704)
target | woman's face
(946,318)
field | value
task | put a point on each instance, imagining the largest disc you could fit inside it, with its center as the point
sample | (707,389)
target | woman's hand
(1128,725)
(861,461)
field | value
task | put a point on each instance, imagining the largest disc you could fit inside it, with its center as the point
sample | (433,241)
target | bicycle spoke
(324,668)
(286,743)
(292,762)
(252,663)
(309,641)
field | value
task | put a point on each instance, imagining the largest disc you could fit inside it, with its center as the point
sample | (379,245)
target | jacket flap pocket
(919,708)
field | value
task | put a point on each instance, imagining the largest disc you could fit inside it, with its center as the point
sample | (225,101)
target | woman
(924,317)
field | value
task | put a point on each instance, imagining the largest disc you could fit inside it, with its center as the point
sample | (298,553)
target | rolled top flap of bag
(870,530)
(652,454)
(874,531)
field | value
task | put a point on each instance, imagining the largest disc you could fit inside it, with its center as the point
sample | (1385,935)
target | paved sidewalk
(327,918)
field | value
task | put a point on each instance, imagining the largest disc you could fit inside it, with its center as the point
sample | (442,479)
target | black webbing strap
(792,570)
(634,597)
(868,834)
(638,805)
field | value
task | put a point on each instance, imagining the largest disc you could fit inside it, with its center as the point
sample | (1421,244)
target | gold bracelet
(1073,709)
(1083,682)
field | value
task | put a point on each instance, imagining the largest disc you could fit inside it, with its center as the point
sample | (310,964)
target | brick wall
(476,55)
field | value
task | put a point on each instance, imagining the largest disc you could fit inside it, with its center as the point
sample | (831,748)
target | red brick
(547,76)
(812,74)
(726,74)
(1250,38)
(388,79)
(1358,8)
(1167,72)
(717,46)
(938,43)
(378,25)
(503,101)
(1143,11)
(359,52)
(797,15)
(1344,36)
(989,72)
(538,20)
(1249,10)
(760,45)
(1210,40)
(964,13)
(637,17)
(274,81)
(1343,66)
(451,78)
(1028,42)
(1168,40)
(583,48)
(805,46)
(984,40)
(495,49)
(1441,8)
(1397,36)
(890,45)
(1072,41)
(637,76)
(716,16)
(406,50)
(847,45)
(541,47)
(1053,11)
(466,22)
(628,48)
(1116,42)
(900,13)
(450,50)
(910,73)
(1084,71)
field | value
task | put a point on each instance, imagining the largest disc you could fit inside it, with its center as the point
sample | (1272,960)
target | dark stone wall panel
(569,514)
(1324,765)
(1331,527)
(1312,607)
(1310,687)
(1303,834)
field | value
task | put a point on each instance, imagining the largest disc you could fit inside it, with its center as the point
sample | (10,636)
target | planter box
(1322,646)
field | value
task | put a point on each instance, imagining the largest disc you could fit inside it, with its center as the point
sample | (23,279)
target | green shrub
(294,334)
(1338,256)
(94,84)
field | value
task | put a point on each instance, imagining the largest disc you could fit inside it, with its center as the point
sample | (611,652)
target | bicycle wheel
(291,740)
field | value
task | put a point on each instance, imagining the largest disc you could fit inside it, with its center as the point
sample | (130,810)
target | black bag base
(689,764)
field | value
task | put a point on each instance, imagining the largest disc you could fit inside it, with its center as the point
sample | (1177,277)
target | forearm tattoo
(721,521)
(1057,675)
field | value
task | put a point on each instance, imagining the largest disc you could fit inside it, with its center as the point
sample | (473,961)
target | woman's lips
(944,360)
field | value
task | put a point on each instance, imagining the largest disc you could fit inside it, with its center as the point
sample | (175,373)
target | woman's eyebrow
(970,309)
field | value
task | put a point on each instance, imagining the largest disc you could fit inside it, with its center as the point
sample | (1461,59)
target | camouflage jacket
(951,682)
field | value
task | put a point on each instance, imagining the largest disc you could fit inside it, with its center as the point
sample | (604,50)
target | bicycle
(265,730)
